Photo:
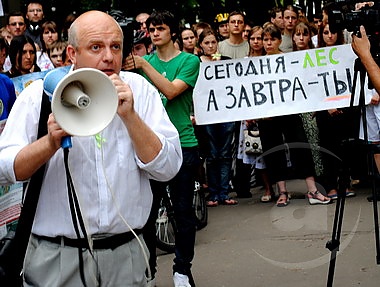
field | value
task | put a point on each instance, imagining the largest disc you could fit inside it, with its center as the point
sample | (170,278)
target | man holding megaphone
(110,171)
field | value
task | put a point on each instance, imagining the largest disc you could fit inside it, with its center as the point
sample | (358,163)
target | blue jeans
(181,194)
(219,159)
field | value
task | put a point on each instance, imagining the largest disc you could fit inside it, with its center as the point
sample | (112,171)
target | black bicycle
(165,222)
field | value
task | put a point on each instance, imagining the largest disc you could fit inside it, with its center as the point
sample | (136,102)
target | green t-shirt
(184,67)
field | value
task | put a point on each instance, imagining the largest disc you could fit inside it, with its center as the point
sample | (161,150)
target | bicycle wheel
(200,208)
(165,227)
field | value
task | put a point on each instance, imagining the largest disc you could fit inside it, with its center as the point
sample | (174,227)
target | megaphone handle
(66,142)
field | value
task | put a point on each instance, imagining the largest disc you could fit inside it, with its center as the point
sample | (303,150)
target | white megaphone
(83,102)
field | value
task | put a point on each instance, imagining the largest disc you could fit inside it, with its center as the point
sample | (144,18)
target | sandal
(333,194)
(283,199)
(212,203)
(317,198)
(229,201)
(350,192)
(267,197)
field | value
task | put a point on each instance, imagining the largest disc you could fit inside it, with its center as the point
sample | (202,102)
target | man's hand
(361,45)
(334,112)
(375,99)
(55,133)
(360,5)
(362,48)
(145,142)
(133,62)
(124,92)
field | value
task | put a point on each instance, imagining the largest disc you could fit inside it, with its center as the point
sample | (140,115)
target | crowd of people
(33,43)
(157,140)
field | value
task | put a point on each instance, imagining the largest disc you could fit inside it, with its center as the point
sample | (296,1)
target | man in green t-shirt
(174,74)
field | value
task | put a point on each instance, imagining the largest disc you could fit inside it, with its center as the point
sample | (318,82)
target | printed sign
(269,86)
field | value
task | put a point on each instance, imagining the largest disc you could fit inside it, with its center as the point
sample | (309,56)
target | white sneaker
(181,280)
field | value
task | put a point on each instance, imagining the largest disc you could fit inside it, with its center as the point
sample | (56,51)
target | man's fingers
(362,31)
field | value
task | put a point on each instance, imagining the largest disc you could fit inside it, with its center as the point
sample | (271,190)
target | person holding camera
(362,48)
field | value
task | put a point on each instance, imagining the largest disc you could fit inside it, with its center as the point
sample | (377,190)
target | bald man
(110,171)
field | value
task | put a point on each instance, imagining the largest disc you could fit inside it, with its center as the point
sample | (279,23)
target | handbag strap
(28,210)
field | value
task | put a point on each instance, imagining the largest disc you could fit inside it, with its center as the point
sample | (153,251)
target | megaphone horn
(73,95)
(83,102)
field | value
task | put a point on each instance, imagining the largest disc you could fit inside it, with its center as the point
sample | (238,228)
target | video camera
(128,26)
(344,16)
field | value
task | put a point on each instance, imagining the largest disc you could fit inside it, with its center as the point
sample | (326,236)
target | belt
(110,242)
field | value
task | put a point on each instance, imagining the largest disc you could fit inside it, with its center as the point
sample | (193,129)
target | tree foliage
(188,10)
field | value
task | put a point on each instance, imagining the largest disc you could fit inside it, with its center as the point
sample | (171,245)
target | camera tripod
(344,178)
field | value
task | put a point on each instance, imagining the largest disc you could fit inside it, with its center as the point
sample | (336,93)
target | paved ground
(255,244)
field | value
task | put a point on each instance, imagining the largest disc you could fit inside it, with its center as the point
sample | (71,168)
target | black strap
(28,210)
(76,216)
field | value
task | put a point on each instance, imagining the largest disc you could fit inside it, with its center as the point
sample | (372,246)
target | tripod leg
(375,177)
(344,183)
(334,243)
(371,150)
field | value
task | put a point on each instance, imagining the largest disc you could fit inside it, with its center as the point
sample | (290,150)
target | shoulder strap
(28,211)
(44,115)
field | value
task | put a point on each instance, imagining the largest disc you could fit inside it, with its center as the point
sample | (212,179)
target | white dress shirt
(109,179)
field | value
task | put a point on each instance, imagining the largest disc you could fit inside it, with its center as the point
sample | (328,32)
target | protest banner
(268,86)
(10,207)
(21,82)
(10,202)
(11,196)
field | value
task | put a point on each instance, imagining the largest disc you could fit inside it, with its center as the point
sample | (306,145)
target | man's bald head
(86,21)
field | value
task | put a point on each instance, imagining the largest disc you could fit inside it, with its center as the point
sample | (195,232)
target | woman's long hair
(206,32)
(253,31)
(50,26)
(16,48)
(322,43)
(302,27)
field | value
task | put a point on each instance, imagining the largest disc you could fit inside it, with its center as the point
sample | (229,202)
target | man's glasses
(17,23)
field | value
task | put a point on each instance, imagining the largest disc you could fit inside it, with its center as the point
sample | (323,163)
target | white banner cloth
(268,86)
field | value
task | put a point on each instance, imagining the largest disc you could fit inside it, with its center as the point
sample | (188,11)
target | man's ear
(71,53)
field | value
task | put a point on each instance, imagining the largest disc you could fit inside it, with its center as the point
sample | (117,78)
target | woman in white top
(49,35)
